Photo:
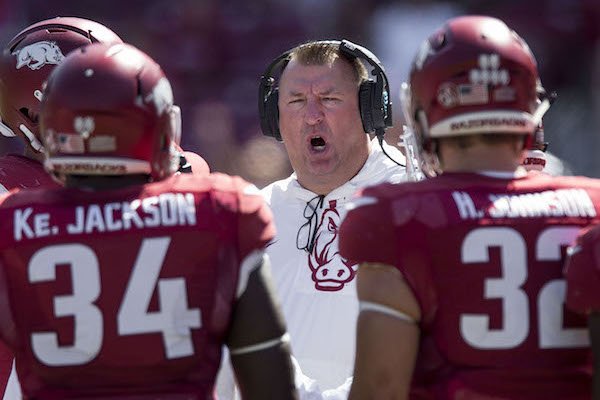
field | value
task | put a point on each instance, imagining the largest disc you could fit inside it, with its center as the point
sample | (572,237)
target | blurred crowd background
(214,52)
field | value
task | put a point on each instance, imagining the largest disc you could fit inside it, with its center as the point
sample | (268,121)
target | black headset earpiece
(373,95)
(268,98)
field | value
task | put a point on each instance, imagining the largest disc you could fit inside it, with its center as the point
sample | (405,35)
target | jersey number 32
(475,328)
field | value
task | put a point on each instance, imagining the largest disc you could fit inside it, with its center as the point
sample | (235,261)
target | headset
(374,99)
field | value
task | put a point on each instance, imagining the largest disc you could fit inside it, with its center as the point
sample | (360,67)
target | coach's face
(320,124)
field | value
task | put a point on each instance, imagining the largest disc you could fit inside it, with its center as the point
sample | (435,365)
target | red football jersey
(483,256)
(582,271)
(17,171)
(125,292)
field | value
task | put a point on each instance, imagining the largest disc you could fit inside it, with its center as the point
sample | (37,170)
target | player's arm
(583,280)
(387,337)
(9,383)
(258,341)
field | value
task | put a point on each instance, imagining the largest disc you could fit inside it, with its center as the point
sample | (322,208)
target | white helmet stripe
(505,121)
(97,166)
(35,143)
(5,130)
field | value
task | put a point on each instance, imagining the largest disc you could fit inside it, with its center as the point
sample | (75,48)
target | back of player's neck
(482,168)
(477,161)
(101,182)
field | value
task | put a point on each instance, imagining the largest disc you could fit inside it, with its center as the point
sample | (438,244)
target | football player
(460,283)
(25,64)
(128,281)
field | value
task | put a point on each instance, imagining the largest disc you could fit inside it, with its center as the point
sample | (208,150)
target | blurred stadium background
(214,51)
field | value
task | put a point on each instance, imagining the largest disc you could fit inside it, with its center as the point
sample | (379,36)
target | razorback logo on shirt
(330,271)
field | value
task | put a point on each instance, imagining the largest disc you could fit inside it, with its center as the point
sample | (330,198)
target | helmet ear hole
(30,115)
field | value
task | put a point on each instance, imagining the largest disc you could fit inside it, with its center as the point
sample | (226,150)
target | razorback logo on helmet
(330,271)
(38,54)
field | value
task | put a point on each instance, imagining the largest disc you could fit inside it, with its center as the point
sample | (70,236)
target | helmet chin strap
(35,143)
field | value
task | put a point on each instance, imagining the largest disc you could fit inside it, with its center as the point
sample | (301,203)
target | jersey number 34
(174,320)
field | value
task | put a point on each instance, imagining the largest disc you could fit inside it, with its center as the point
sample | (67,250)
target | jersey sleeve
(366,234)
(582,272)
(7,332)
(387,229)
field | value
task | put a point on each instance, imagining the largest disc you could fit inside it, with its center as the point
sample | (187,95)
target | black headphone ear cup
(365,104)
(268,98)
(272,115)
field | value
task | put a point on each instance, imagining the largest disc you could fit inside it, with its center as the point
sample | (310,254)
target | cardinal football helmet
(108,110)
(27,61)
(472,76)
